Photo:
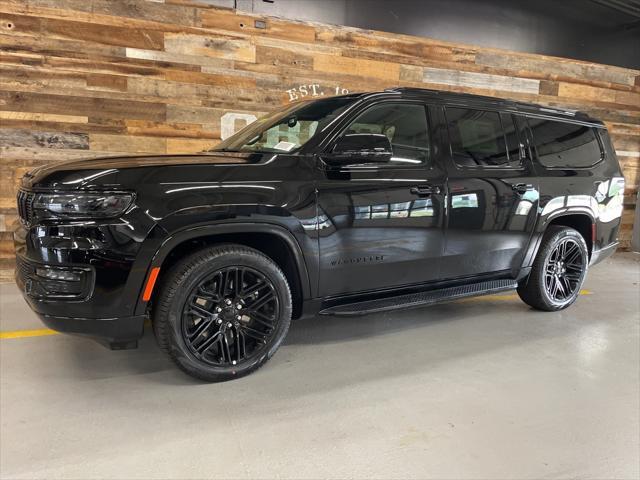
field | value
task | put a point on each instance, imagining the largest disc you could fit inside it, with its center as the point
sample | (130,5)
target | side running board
(420,299)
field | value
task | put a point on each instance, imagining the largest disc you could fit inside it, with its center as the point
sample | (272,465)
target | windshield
(286,130)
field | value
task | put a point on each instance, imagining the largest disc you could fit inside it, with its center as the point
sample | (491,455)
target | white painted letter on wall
(228,123)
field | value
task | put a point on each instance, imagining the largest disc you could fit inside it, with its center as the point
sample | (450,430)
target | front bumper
(115,333)
(44,298)
(82,277)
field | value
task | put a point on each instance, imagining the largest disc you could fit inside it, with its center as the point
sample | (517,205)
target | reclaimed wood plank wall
(83,78)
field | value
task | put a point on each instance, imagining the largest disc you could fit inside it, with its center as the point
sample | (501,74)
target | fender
(223,228)
(543,224)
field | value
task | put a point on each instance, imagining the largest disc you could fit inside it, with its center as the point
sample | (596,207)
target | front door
(493,193)
(381,225)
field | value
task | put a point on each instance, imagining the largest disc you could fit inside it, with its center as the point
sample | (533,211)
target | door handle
(424,190)
(522,187)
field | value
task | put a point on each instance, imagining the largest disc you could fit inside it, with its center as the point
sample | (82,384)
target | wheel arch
(582,220)
(274,241)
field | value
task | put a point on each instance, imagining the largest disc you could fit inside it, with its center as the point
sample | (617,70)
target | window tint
(482,139)
(562,144)
(405,125)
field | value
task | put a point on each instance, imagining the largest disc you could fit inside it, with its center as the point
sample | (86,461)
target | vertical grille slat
(25,205)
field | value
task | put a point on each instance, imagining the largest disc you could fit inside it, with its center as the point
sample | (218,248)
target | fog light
(55,274)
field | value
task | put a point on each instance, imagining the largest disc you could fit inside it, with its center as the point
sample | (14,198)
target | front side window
(564,145)
(286,130)
(482,139)
(405,125)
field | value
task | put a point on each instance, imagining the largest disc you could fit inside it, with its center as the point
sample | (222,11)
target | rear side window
(564,145)
(482,139)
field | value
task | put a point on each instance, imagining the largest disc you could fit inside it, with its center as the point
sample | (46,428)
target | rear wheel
(558,271)
(223,312)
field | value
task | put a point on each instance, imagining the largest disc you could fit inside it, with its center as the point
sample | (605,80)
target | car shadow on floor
(376,344)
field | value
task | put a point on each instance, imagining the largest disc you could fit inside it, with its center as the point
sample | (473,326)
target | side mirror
(360,148)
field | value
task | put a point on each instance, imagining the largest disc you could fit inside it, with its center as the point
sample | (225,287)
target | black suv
(337,206)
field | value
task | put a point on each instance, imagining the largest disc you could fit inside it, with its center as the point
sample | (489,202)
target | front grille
(25,205)
(23,269)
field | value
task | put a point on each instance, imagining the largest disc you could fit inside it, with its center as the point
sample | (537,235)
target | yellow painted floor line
(43,332)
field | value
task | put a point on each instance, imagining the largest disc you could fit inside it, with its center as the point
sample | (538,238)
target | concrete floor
(482,388)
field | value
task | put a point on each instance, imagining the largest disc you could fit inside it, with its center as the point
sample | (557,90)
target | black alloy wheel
(564,270)
(558,270)
(222,312)
(230,316)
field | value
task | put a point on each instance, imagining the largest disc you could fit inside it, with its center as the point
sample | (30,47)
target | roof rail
(521,106)
(410,89)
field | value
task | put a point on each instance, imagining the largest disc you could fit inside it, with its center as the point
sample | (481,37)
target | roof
(500,103)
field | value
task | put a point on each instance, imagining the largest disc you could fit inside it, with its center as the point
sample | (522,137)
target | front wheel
(558,271)
(222,312)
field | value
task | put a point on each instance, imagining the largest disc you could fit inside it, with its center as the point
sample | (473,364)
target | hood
(104,171)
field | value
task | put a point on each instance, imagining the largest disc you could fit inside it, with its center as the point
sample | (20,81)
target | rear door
(381,225)
(493,193)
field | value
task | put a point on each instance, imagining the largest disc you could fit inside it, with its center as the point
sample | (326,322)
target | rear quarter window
(565,145)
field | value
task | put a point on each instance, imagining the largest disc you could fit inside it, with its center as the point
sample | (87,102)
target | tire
(540,289)
(207,337)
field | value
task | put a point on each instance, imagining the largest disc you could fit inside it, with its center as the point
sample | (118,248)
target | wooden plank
(623,128)
(85,106)
(560,68)
(571,90)
(128,143)
(34,157)
(189,145)
(31,138)
(65,29)
(42,117)
(246,24)
(630,143)
(58,47)
(177,58)
(85,127)
(411,73)
(198,115)
(628,153)
(150,11)
(216,46)
(628,98)
(480,80)
(168,130)
(8,222)
(116,83)
(360,40)
(15,76)
(123,66)
(549,88)
(282,56)
(210,79)
(356,66)
(137,14)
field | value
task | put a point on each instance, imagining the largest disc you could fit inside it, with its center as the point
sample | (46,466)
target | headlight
(82,205)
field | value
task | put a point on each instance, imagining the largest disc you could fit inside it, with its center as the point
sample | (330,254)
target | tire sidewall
(195,275)
(553,241)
